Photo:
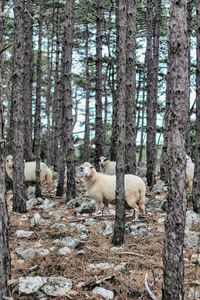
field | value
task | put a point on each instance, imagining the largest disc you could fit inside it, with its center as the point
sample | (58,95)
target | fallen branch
(150,293)
(130,253)
(52,196)
(97,282)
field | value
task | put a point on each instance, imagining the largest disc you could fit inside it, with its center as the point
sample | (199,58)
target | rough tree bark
(86,147)
(50,50)
(28,72)
(99,140)
(56,122)
(19,194)
(189,30)
(113,89)
(196,182)
(66,94)
(153,38)
(5,260)
(173,263)
(119,227)
(163,166)
(142,123)
(130,152)
(37,147)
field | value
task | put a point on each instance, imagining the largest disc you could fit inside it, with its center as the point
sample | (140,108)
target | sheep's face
(102,161)
(87,170)
(9,161)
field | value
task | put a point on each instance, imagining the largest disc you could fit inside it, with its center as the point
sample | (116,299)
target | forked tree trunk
(19,194)
(130,152)
(173,264)
(5,265)
(119,227)
(196,182)
(99,140)
(28,73)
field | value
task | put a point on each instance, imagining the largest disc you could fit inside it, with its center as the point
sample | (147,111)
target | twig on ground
(53,196)
(130,253)
(96,282)
(150,293)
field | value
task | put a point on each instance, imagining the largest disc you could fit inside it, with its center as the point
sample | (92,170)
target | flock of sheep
(101,185)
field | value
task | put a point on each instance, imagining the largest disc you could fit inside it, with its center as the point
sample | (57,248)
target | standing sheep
(102,188)
(107,166)
(189,174)
(46,174)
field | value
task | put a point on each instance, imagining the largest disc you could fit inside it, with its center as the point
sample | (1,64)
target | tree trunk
(114,94)
(99,144)
(119,227)
(56,122)
(196,182)
(189,30)
(5,261)
(86,147)
(38,192)
(28,72)
(142,124)
(173,274)
(152,85)
(19,194)
(130,152)
(50,49)
(68,45)
(66,95)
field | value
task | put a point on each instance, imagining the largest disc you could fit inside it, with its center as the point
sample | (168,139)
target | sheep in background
(189,174)
(107,166)
(102,188)
(46,175)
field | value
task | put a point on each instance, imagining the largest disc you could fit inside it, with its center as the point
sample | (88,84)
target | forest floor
(137,257)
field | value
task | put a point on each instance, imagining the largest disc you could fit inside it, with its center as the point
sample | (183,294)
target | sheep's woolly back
(107,166)
(46,175)
(102,187)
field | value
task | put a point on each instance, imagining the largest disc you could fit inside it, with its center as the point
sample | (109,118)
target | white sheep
(102,188)
(189,174)
(46,175)
(107,166)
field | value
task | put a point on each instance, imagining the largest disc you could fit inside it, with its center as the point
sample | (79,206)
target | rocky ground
(64,251)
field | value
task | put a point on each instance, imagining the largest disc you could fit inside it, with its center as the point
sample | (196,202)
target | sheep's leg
(131,203)
(135,213)
(99,204)
(142,208)
(189,187)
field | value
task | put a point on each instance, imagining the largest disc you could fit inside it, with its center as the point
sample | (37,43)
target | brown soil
(143,256)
